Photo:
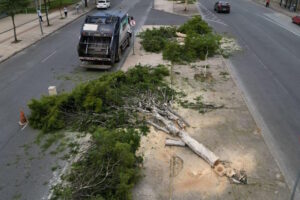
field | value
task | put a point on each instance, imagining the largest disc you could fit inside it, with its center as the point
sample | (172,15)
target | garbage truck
(103,38)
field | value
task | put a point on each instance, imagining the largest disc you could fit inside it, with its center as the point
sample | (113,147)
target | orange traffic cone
(23,120)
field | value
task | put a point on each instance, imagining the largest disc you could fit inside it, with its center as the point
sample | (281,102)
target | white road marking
(45,59)
(24,126)
(208,15)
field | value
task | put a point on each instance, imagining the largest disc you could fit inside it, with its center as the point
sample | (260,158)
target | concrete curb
(258,119)
(45,36)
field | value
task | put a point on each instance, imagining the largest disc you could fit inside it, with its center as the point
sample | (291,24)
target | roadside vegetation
(108,170)
(50,4)
(11,8)
(107,108)
(198,41)
(114,111)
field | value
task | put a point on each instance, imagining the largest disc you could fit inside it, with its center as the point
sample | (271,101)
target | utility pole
(37,7)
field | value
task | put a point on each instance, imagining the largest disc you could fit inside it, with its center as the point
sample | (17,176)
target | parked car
(103,4)
(222,6)
(296,19)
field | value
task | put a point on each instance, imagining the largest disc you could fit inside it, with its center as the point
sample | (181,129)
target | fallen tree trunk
(199,148)
(165,119)
(193,144)
(172,142)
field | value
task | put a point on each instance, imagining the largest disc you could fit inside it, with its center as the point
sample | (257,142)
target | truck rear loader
(103,38)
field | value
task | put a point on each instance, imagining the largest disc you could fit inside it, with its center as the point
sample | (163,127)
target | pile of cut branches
(198,41)
(105,102)
(116,109)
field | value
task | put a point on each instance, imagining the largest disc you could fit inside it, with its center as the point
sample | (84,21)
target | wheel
(112,61)
(129,41)
(118,55)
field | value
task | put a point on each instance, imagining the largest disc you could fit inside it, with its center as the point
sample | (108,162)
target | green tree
(11,7)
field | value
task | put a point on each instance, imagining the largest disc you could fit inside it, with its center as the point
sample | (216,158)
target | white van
(103,4)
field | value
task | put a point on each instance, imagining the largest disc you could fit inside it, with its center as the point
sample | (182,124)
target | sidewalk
(275,6)
(29,31)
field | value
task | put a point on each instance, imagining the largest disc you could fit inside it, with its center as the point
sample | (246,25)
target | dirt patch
(230,132)
(229,46)
(176,7)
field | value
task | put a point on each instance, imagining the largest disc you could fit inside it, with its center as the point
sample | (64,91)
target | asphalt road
(25,172)
(268,70)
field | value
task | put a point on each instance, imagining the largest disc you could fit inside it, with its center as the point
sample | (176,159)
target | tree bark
(60,5)
(193,144)
(46,10)
(14,26)
(199,149)
(172,142)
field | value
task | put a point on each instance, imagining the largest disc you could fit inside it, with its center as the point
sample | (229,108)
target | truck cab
(103,4)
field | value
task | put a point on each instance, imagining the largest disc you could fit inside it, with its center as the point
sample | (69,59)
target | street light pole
(36,5)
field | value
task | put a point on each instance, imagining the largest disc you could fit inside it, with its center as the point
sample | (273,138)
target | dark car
(222,6)
(296,19)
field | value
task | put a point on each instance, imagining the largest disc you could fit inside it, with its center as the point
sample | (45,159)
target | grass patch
(198,105)
(54,4)
(224,75)
(204,77)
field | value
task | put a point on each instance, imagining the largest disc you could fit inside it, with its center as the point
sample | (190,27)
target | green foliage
(58,3)
(200,45)
(11,7)
(102,99)
(54,4)
(199,41)
(199,105)
(154,40)
(195,25)
(174,52)
(108,170)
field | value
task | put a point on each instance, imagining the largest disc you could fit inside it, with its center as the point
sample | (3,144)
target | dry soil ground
(230,132)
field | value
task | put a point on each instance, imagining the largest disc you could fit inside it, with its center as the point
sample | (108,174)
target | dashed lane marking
(45,59)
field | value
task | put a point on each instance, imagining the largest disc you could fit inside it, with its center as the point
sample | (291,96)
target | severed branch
(193,144)
(157,126)
(169,121)
(172,142)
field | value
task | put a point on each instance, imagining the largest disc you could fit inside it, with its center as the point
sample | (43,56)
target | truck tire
(118,55)
(129,41)
(112,59)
